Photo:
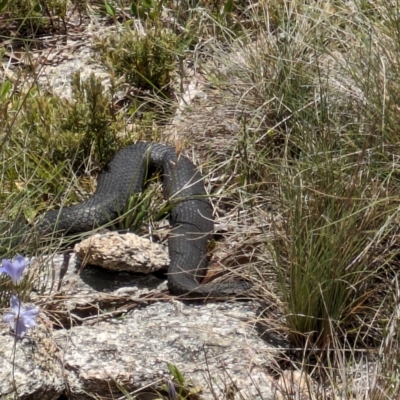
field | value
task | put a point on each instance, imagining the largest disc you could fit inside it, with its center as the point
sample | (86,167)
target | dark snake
(191,217)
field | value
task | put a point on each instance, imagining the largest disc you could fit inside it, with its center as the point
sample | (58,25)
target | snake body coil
(191,217)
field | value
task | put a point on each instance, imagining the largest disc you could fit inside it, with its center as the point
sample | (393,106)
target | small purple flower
(14,268)
(171,391)
(20,318)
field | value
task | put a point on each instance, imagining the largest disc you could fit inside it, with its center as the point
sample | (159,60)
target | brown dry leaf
(20,185)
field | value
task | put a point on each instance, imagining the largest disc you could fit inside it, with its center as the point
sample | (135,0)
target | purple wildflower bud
(171,391)
(14,268)
(20,318)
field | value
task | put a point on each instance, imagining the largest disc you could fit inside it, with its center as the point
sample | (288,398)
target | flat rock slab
(124,335)
(212,345)
(200,340)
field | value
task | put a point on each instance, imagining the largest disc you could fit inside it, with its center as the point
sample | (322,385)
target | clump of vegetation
(147,61)
(332,223)
(71,129)
(92,121)
(33,16)
(50,141)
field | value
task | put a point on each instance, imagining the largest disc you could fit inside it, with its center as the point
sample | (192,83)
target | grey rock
(119,335)
(123,252)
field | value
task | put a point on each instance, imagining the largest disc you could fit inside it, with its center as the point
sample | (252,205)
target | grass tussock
(336,220)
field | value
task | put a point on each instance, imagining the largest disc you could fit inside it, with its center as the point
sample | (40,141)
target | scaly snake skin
(191,217)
